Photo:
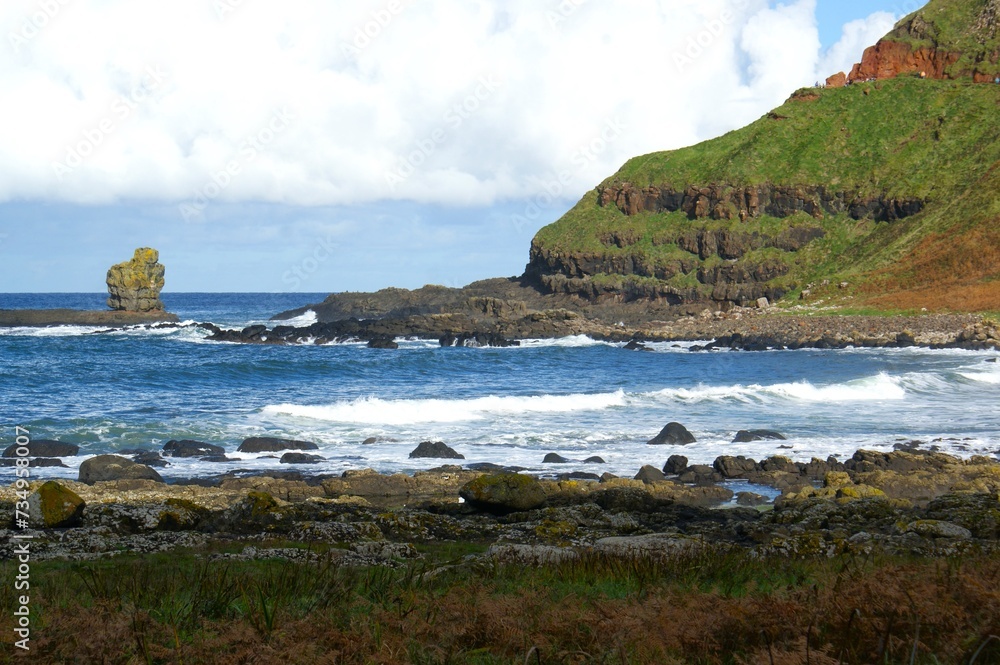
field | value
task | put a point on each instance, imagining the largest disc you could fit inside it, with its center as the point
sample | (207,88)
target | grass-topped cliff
(889,186)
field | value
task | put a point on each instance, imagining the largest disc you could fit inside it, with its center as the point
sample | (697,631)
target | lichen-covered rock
(115,467)
(504,492)
(53,506)
(135,285)
(937,529)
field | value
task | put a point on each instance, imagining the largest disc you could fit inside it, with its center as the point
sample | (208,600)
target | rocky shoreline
(742,329)
(906,501)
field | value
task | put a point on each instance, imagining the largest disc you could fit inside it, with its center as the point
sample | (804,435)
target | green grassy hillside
(905,138)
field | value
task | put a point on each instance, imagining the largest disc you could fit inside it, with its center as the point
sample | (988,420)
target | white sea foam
(571,342)
(984,374)
(401,412)
(307,318)
(374,410)
(871,389)
(51,331)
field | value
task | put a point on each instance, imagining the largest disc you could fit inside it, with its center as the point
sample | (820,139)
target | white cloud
(856,37)
(461,102)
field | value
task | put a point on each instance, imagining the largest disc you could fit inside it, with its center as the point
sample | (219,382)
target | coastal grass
(715,605)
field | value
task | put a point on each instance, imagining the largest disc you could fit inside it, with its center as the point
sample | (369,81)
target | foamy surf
(373,410)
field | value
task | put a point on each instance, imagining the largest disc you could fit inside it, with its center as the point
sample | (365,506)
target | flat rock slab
(79,317)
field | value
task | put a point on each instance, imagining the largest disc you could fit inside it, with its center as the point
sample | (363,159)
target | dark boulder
(267,444)
(594,460)
(750,499)
(189,448)
(649,474)
(45,448)
(553,458)
(435,449)
(779,463)
(301,458)
(735,467)
(635,345)
(676,464)
(673,434)
(114,467)
(369,441)
(747,436)
(700,474)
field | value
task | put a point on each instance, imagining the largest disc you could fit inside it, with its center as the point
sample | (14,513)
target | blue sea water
(108,391)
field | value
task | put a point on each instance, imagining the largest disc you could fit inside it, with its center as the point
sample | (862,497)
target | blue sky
(316,148)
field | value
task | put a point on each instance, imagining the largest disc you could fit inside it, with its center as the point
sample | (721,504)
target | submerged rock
(269,444)
(135,285)
(189,448)
(301,458)
(748,436)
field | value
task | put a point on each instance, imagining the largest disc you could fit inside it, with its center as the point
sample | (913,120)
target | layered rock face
(728,202)
(739,281)
(134,286)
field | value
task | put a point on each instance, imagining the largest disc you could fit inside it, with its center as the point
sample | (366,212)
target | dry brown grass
(954,271)
(868,614)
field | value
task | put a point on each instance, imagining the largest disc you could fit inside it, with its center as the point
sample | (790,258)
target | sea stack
(134,286)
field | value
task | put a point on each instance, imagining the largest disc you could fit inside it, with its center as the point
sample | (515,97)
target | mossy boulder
(135,285)
(504,493)
(54,506)
(256,512)
(180,515)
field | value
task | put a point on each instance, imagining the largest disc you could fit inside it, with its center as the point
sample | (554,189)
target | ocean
(577,397)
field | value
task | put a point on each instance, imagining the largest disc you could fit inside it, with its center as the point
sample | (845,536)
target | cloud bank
(308,102)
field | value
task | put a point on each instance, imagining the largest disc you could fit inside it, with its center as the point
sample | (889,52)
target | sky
(318,146)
